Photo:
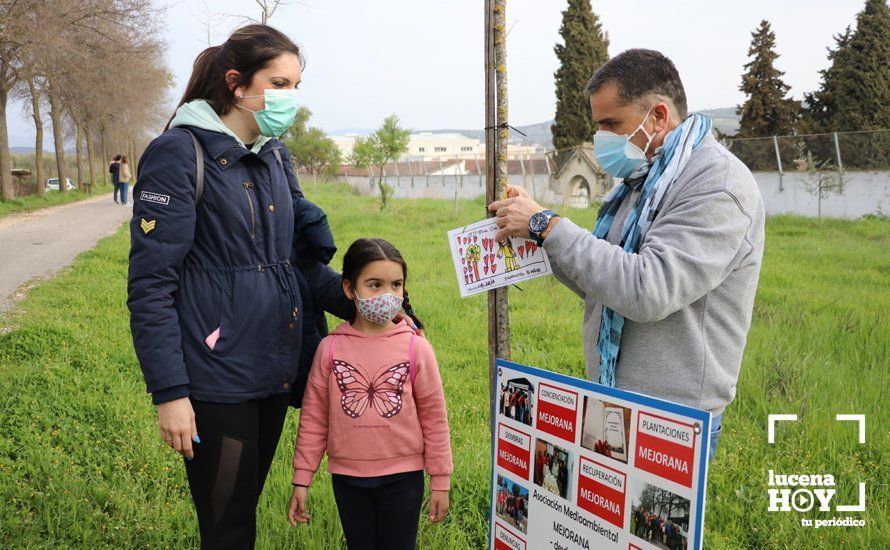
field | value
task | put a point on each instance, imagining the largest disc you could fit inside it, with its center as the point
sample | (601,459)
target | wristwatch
(538,223)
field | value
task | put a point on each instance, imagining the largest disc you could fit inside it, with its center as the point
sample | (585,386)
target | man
(115,170)
(673,291)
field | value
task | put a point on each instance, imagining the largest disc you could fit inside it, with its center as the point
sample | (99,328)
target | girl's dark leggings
(227,474)
(383,517)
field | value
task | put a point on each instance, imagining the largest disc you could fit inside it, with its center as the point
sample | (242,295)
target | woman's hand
(298,513)
(402,316)
(176,420)
(438,506)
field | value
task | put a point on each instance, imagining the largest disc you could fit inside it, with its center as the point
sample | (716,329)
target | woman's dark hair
(117,157)
(364,251)
(124,160)
(248,50)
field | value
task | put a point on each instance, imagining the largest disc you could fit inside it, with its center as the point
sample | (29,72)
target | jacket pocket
(250,317)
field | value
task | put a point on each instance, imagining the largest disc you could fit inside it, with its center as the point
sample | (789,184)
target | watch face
(538,222)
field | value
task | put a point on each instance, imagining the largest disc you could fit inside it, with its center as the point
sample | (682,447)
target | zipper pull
(247,184)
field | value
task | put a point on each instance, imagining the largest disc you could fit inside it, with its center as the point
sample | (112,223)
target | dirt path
(40,243)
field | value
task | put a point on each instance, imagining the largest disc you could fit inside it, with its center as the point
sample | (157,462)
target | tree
(863,86)
(13,36)
(821,109)
(98,65)
(854,94)
(863,89)
(386,144)
(767,111)
(583,51)
(310,146)
(822,180)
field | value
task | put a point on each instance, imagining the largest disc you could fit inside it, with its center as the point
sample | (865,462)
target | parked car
(52,184)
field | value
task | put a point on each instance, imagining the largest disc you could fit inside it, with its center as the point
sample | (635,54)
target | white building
(429,146)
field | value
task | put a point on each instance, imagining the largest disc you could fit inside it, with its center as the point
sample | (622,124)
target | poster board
(578,465)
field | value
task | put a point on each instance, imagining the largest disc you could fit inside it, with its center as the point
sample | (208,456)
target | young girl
(375,403)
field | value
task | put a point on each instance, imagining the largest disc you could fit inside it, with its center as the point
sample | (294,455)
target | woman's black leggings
(227,474)
(384,517)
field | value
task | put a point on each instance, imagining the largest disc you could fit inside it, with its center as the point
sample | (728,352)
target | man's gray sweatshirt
(687,295)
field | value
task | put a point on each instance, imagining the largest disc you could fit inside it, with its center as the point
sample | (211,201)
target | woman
(125,177)
(219,280)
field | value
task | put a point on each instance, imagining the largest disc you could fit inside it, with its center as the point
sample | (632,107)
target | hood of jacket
(200,114)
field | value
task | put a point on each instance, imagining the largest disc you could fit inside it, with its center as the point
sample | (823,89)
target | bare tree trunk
(78,153)
(38,141)
(495,69)
(105,158)
(55,114)
(134,162)
(86,132)
(6,185)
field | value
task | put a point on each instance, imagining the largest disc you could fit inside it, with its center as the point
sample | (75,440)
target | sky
(423,59)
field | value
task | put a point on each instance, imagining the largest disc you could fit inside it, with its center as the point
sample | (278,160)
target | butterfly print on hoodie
(385,393)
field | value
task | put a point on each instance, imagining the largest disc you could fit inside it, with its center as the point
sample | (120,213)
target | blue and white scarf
(666,167)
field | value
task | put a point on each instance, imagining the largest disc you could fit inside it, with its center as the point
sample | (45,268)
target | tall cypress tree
(584,50)
(855,93)
(767,111)
(822,104)
(863,98)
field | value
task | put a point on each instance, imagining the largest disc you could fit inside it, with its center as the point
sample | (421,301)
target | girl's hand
(298,513)
(176,420)
(438,506)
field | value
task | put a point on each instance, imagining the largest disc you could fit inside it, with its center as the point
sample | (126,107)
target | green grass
(30,203)
(82,463)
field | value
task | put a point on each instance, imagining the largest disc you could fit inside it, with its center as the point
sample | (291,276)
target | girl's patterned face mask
(380,309)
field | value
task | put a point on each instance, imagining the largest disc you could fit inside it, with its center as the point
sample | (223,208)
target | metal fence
(863,150)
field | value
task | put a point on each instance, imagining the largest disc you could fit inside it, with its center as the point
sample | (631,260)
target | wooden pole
(496,169)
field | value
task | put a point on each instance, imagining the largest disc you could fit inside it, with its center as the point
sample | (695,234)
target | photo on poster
(511,503)
(553,468)
(516,400)
(658,516)
(482,263)
(606,428)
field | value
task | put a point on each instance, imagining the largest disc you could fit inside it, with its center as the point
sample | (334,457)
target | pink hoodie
(400,427)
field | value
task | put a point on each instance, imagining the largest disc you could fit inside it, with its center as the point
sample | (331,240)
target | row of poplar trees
(854,94)
(96,66)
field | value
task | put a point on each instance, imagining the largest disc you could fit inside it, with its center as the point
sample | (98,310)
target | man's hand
(514,213)
(298,512)
(438,505)
(176,420)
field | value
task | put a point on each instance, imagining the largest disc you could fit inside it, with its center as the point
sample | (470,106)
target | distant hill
(724,119)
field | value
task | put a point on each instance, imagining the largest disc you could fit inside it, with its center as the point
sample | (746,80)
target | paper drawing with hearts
(481,263)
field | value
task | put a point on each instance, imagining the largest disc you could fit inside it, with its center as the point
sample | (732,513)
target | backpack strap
(199,163)
(331,350)
(278,157)
(412,369)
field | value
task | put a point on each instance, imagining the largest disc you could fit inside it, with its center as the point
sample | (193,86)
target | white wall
(864,193)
